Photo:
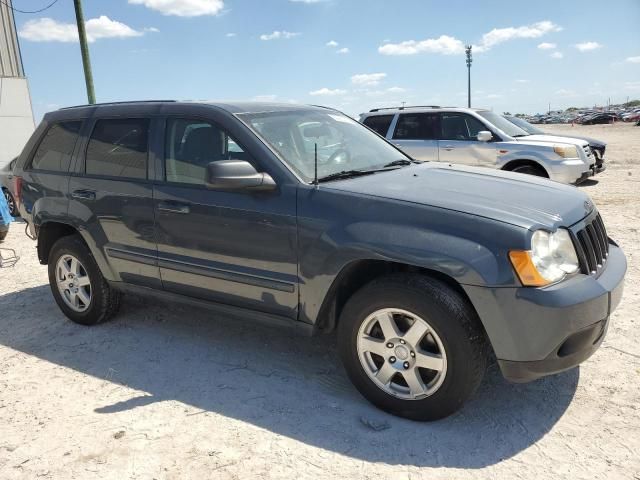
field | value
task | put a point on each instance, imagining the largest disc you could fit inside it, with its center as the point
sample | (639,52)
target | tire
(529,169)
(103,301)
(457,330)
(13,208)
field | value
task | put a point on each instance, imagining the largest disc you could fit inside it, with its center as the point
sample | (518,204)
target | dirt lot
(169,392)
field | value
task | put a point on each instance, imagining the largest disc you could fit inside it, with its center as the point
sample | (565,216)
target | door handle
(448,148)
(174,207)
(83,194)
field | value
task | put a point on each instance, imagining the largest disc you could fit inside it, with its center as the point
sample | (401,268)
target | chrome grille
(592,246)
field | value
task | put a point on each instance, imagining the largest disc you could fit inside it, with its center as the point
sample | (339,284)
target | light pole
(84,50)
(469,61)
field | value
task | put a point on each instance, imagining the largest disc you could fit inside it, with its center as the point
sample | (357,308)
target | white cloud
(522,80)
(547,46)
(332,43)
(231,35)
(557,55)
(588,46)
(501,35)
(563,92)
(327,92)
(633,59)
(447,45)
(49,30)
(265,98)
(343,50)
(493,96)
(368,79)
(444,44)
(277,34)
(396,89)
(308,1)
(183,8)
(633,86)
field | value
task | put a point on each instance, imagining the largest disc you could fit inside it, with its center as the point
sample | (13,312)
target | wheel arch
(510,165)
(49,233)
(358,273)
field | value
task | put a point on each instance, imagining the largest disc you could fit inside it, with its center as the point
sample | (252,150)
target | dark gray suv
(299,216)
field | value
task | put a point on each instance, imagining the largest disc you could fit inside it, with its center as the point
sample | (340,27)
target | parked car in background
(598,147)
(599,118)
(632,116)
(299,216)
(480,138)
(6,184)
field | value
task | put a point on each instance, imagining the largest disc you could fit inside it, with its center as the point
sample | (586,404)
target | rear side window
(55,149)
(379,123)
(119,148)
(416,126)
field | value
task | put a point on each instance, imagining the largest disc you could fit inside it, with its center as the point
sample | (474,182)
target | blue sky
(350,54)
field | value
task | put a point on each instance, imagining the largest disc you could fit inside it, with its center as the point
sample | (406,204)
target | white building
(16,115)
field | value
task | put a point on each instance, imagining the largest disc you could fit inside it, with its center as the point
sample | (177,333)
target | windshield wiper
(345,174)
(399,163)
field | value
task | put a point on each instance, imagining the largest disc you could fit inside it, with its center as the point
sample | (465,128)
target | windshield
(503,124)
(524,125)
(343,144)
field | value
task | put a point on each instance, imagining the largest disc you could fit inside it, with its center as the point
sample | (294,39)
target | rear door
(417,135)
(111,198)
(459,141)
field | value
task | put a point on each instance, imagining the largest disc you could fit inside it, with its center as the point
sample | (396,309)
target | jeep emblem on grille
(588,206)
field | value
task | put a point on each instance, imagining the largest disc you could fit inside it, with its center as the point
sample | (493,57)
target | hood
(554,139)
(593,142)
(513,198)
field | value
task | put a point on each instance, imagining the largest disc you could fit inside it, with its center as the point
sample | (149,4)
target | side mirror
(237,175)
(484,136)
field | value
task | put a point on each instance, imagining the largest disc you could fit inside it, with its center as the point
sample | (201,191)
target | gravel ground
(168,392)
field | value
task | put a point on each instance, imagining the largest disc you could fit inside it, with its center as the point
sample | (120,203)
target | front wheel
(530,170)
(412,346)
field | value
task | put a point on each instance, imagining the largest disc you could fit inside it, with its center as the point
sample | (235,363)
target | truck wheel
(412,346)
(77,284)
(11,203)
(530,170)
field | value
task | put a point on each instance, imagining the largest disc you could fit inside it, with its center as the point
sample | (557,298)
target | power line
(3,2)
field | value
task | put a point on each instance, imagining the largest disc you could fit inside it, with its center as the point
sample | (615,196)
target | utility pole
(467,50)
(84,49)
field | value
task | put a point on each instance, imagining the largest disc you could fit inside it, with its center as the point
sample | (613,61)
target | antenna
(315,162)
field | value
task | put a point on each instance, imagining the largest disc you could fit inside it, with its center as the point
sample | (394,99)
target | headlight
(551,258)
(566,151)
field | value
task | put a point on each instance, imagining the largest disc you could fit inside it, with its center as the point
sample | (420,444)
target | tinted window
(118,148)
(191,144)
(379,123)
(416,126)
(56,148)
(459,126)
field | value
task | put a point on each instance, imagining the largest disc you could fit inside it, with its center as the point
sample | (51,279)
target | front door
(459,141)
(231,247)
(416,134)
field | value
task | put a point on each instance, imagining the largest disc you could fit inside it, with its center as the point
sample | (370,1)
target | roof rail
(124,102)
(405,107)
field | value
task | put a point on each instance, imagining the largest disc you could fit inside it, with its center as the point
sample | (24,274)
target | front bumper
(570,170)
(540,331)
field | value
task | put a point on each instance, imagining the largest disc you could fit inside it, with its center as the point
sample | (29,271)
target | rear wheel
(77,284)
(412,346)
(13,209)
(530,169)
